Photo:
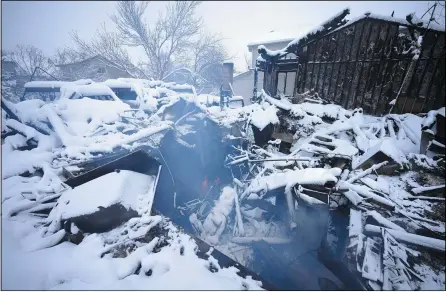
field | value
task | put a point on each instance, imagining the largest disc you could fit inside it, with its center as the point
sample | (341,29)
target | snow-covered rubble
(339,159)
(130,189)
(38,139)
(381,150)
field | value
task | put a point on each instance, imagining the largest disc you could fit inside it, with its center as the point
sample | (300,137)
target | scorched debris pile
(277,189)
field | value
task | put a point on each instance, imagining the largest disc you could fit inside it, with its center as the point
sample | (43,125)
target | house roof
(276,36)
(7,59)
(238,76)
(91,58)
(77,62)
(371,16)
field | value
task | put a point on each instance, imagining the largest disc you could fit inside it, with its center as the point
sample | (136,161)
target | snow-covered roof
(77,62)
(44,84)
(102,58)
(7,59)
(276,36)
(369,15)
(240,75)
(320,28)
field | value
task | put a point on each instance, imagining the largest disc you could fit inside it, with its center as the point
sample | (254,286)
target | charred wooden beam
(330,25)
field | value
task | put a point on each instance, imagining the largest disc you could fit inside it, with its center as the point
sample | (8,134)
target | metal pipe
(284,85)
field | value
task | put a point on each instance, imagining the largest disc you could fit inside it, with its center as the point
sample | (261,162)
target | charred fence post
(382,59)
(333,64)
(428,63)
(371,61)
(429,87)
(344,99)
(254,91)
(355,63)
(361,63)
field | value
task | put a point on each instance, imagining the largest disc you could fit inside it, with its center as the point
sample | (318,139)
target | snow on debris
(306,176)
(78,91)
(70,130)
(273,36)
(331,162)
(126,187)
(78,267)
(215,222)
(264,117)
(44,84)
(386,146)
(114,83)
(76,124)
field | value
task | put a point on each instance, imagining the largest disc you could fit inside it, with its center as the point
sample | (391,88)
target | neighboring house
(13,80)
(179,76)
(243,83)
(183,76)
(9,75)
(9,68)
(96,68)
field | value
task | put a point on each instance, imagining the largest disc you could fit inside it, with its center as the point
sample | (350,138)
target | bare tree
(171,36)
(207,56)
(438,15)
(68,55)
(106,44)
(248,61)
(28,58)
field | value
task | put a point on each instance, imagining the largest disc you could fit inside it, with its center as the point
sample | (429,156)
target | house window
(101,70)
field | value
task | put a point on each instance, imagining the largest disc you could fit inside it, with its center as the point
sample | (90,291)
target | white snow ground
(79,267)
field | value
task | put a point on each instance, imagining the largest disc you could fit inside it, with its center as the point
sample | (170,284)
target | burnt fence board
(364,64)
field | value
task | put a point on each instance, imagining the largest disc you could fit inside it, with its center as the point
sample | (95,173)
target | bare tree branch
(248,61)
(108,45)
(28,58)
(439,15)
(169,38)
(204,60)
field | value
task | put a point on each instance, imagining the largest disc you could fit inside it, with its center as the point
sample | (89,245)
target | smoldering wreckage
(174,191)
(350,203)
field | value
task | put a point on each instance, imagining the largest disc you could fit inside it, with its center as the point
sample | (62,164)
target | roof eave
(251,45)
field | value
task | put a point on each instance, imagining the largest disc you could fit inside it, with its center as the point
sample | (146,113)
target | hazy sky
(46,24)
